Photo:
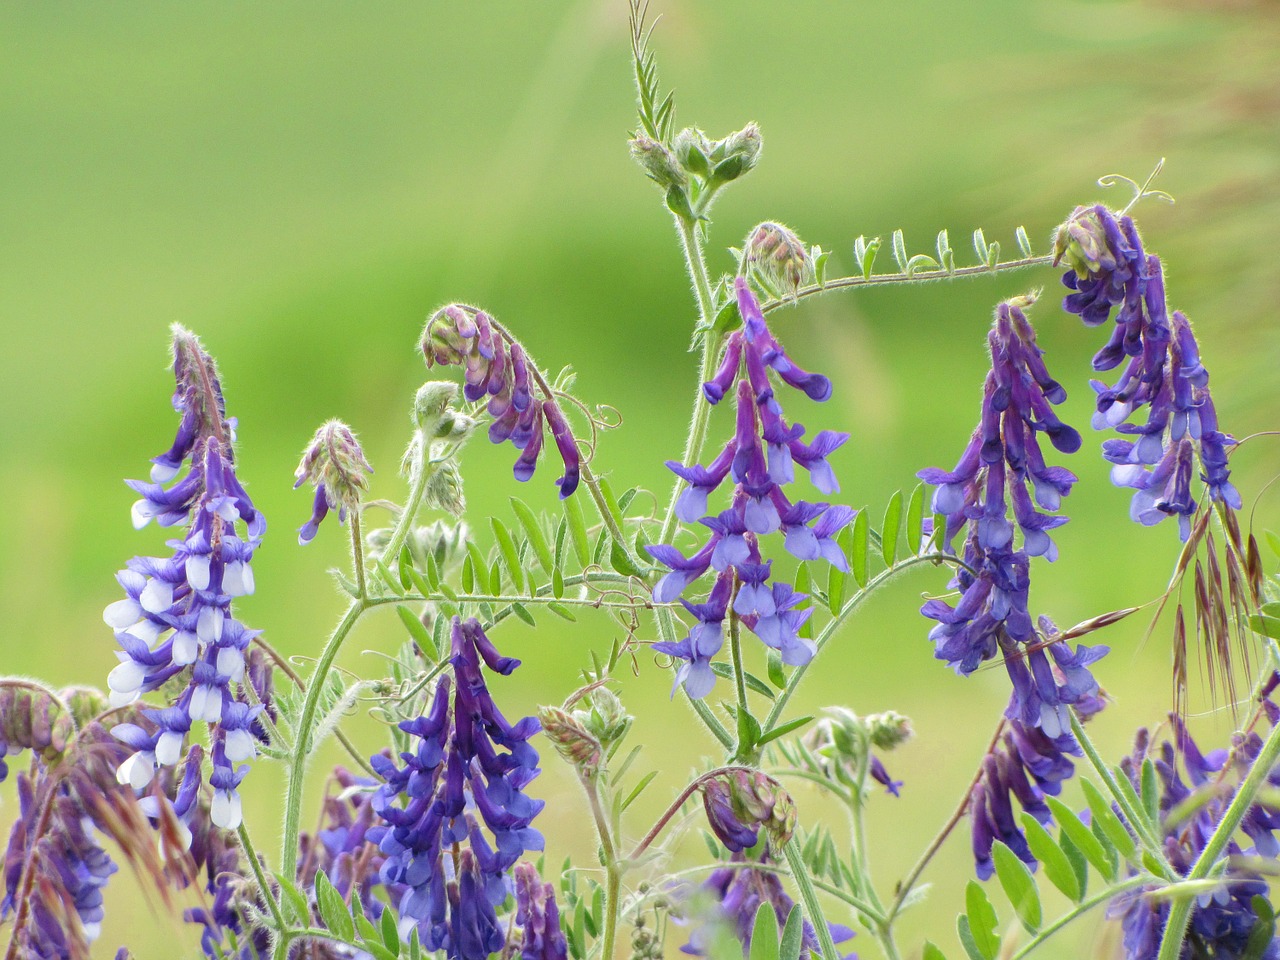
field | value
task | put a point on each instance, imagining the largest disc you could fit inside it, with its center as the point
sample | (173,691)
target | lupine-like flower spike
(760,459)
(1003,467)
(462,785)
(176,616)
(497,368)
(739,891)
(1222,919)
(336,466)
(1160,370)
(538,916)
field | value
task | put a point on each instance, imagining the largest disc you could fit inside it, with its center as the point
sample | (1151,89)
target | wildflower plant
(430,838)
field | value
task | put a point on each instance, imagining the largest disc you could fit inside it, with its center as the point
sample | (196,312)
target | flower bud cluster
(176,617)
(741,803)
(497,368)
(777,254)
(336,466)
(1002,467)
(1160,370)
(761,459)
(839,741)
(456,790)
(30,719)
(538,916)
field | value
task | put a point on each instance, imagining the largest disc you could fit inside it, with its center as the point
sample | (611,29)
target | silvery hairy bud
(572,740)
(779,255)
(657,162)
(736,154)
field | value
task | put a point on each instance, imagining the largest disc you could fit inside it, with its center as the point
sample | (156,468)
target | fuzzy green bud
(692,150)
(657,162)
(1081,243)
(737,154)
(778,254)
(607,719)
(889,729)
(572,740)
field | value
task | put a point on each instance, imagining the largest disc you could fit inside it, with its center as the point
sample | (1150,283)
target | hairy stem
(1180,910)
(800,875)
(678,802)
(357,554)
(1080,909)
(612,868)
(264,888)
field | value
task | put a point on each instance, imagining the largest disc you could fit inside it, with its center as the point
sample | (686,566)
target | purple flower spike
(499,372)
(177,614)
(460,791)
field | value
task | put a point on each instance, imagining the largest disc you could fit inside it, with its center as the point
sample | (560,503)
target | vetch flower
(461,790)
(336,466)
(760,459)
(177,614)
(538,916)
(1160,371)
(499,372)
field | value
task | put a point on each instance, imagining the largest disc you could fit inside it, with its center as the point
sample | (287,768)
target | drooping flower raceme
(1201,785)
(1160,371)
(1003,467)
(335,464)
(760,458)
(497,368)
(176,617)
(455,816)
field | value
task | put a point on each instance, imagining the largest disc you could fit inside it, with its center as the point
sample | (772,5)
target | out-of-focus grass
(302,184)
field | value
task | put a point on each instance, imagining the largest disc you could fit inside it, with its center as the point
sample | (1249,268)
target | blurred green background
(302,183)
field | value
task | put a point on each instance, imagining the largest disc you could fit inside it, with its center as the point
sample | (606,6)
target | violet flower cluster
(1004,466)
(176,616)
(466,776)
(1160,370)
(497,368)
(761,459)
(1223,918)
(538,916)
(738,892)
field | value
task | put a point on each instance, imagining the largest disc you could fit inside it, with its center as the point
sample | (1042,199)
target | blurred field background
(302,183)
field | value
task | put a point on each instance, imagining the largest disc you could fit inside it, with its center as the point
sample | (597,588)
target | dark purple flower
(760,460)
(498,369)
(538,916)
(461,787)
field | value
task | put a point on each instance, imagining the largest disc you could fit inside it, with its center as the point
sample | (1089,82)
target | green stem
(920,276)
(879,580)
(800,875)
(302,748)
(613,870)
(263,887)
(1083,907)
(678,802)
(745,749)
(357,554)
(1137,818)
(1180,910)
(666,629)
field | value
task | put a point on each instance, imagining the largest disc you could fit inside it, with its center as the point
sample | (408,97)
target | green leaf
(982,920)
(728,318)
(621,561)
(900,251)
(915,519)
(921,261)
(804,584)
(637,790)
(560,610)
(403,565)
(783,729)
(495,578)
(1150,791)
(980,245)
(507,547)
(390,935)
(419,582)
(820,258)
(557,584)
(965,932)
(521,611)
(889,532)
(993,254)
(389,578)
(748,732)
(792,935)
(1273,541)
(438,637)
(577,529)
(725,670)
(1267,626)
(1024,242)
(415,945)
(469,576)
(1056,865)
(776,676)
(835,588)
(859,555)
(1078,862)
(533,530)
(931,951)
(1019,886)
(417,629)
(433,574)
(333,911)
(1082,837)
(678,203)
(1263,932)
(294,902)
(764,935)
(1104,819)
(869,258)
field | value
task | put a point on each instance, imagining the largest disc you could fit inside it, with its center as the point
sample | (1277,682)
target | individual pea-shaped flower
(538,916)
(335,465)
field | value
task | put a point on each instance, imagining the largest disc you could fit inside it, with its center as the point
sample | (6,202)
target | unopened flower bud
(433,412)
(334,463)
(742,802)
(693,150)
(889,729)
(736,154)
(607,720)
(779,255)
(658,163)
(1081,243)
(572,740)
